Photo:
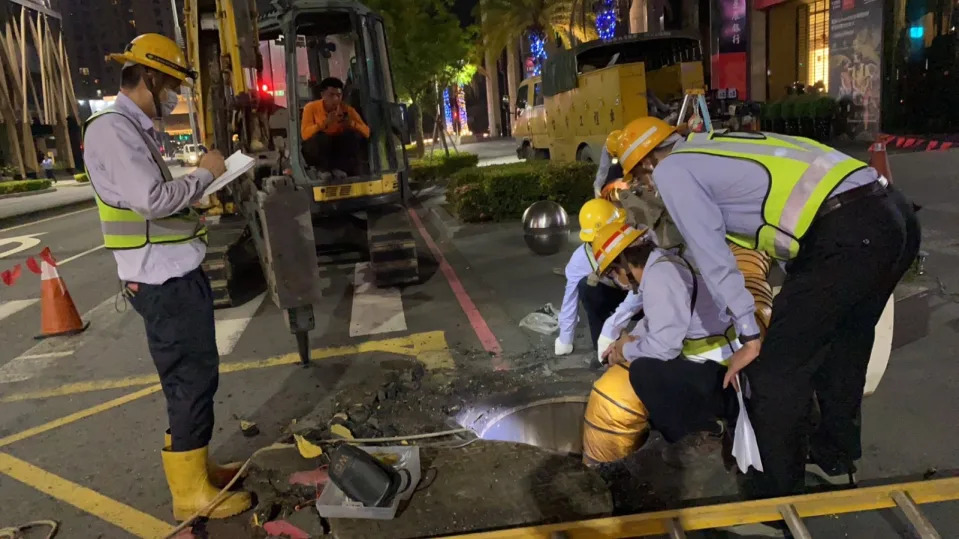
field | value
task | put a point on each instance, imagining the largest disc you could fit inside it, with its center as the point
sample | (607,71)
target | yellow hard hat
(596,214)
(158,52)
(612,143)
(639,138)
(612,240)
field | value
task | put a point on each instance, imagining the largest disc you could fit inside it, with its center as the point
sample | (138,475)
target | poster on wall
(729,36)
(855,60)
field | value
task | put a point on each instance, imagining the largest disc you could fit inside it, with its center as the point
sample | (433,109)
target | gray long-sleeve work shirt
(125,175)
(707,197)
(605,161)
(666,289)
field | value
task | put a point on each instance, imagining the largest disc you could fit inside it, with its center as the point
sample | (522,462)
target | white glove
(602,344)
(562,348)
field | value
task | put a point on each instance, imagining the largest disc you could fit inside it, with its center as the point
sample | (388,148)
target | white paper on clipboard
(236,165)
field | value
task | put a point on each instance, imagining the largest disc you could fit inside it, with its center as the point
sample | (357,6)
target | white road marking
(230,324)
(47,219)
(12,307)
(375,310)
(50,355)
(48,351)
(23,243)
(84,253)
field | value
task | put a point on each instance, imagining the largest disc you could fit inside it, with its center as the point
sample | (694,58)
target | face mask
(169,103)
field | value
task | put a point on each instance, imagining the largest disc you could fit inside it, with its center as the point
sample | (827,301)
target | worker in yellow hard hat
(600,297)
(609,169)
(675,355)
(159,244)
(848,237)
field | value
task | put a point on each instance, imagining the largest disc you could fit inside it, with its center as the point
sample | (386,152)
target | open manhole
(549,416)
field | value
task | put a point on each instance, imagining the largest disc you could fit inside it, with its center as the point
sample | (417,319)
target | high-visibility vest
(802,173)
(126,229)
(718,348)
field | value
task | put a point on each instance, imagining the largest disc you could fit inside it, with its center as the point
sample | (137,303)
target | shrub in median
(503,192)
(440,167)
(22,186)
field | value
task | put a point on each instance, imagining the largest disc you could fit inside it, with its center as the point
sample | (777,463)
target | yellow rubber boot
(220,474)
(191,489)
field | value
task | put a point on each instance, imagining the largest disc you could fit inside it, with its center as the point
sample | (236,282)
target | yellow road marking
(76,416)
(430,348)
(121,515)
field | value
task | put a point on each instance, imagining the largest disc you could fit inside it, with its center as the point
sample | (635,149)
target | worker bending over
(159,243)
(333,133)
(848,236)
(674,356)
(600,297)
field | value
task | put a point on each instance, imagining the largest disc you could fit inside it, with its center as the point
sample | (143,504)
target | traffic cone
(879,160)
(58,314)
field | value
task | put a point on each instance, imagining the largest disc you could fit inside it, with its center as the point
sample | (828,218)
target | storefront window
(813,22)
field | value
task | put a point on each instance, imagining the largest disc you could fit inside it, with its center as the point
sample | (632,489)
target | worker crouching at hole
(668,372)
(601,297)
(848,237)
(159,243)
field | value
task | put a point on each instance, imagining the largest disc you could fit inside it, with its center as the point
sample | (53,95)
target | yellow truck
(590,90)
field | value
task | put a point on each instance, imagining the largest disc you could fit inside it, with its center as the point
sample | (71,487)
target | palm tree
(505,23)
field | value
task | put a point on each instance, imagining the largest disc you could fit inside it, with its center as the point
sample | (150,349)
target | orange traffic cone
(58,314)
(879,160)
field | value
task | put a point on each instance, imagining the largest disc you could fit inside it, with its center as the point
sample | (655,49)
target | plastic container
(333,503)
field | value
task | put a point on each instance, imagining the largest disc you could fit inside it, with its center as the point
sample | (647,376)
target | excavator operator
(848,237)
(333,133)
(159,243)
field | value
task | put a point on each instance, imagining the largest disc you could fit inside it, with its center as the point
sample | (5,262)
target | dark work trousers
(682,396)
(599,302)
(329,152)
(820,339)
(178,316)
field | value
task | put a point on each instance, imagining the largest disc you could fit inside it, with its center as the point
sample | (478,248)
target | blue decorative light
(537,49)
(606,20)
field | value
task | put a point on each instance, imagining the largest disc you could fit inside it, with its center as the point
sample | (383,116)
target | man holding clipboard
(159,243)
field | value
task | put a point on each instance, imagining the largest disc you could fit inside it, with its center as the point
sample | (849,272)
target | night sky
(464,10)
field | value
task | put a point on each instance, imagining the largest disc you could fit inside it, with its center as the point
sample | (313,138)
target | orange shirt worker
(333,133)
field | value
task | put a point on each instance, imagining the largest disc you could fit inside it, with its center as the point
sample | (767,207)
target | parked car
(190,154)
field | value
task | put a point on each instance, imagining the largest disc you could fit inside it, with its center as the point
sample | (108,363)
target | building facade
(893,63)
(94,29)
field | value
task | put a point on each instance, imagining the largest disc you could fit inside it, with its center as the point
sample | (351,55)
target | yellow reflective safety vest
(802,174)
(126,229)
(718,348)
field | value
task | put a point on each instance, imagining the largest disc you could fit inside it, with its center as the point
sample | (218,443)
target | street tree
(505,23)
(428,46)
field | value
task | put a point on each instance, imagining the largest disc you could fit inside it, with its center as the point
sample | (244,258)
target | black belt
(857,193)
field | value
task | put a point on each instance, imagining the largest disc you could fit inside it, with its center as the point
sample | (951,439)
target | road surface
(82,421)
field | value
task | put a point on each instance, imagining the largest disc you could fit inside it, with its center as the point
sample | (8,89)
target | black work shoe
(836,475)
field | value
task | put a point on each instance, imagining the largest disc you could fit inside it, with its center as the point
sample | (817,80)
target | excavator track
(392,245)
(225,239)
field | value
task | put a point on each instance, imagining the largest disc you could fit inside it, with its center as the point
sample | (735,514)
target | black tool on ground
(364,478)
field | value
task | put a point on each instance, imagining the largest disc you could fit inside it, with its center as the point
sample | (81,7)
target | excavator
(256,74)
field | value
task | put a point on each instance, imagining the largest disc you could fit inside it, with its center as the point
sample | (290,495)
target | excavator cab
(318,39)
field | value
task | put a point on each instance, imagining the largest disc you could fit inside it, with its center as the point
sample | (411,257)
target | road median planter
(503,192)
(23,186)
(440,167)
